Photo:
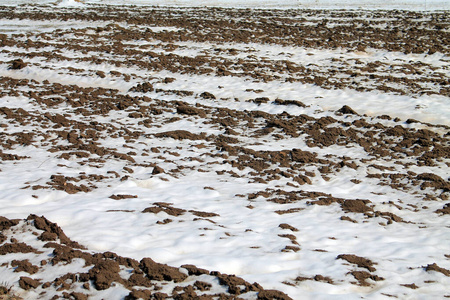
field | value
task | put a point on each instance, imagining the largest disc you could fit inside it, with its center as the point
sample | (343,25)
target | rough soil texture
(131,129)
(102,271)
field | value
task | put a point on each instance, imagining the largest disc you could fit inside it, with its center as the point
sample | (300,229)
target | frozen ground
(422,5)
(305,150)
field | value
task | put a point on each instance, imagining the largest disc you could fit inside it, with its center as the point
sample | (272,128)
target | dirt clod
(157,271)
(347,110)
(28,283)
(436,268)
(17,64)
(272,295)
(359,261)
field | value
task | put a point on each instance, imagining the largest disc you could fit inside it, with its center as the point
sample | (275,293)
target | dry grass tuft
(6,294)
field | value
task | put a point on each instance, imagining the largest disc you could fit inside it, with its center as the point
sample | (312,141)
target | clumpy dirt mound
(144,87)
(24,266)
(156,271)
(445,210)
(358,206)
(207,95)
(121,197)
(63,183)
(347,110)
(193,270)
(16,248)
(287,226)
(28,283)
(247,146)
(433,180)
(303,156)
(164,207)
(235,284)
(273,295)
(362,276)
(52,231)
(157,170)
(7,223)
(191,111)
(359,261)
(106,271)
(17,64)
(181,135)
(436,268)
(8,156)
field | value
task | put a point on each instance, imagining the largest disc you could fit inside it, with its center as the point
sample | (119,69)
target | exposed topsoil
(145,279)
(95,136)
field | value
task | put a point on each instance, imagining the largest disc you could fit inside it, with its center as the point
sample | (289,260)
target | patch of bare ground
(363,276)
(445,210)
(361,262)
(164,207)
(104,270)
(121,197)
(319,278)
(357,260)
(436,268)
(158,128)
(392,142)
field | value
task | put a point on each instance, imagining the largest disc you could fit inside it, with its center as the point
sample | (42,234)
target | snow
(240,241)
(70,3)
(319,4)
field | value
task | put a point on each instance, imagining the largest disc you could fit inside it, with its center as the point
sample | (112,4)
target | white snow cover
(70,3)
(334,4)
(237,243)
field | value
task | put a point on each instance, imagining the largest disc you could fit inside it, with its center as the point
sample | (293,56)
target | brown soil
(180,135)
(121,197)
(203,214)
(104,271)
(362,276)
(51,229)
(359,206)
(436,268)
(445,210)
(156,271)
(72,125)
(347,110)
(24,266)
(17,64)
(28,283)
(7,223)
(16,248)
(359,261)
(287,226)
(164,207)
(272,295)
